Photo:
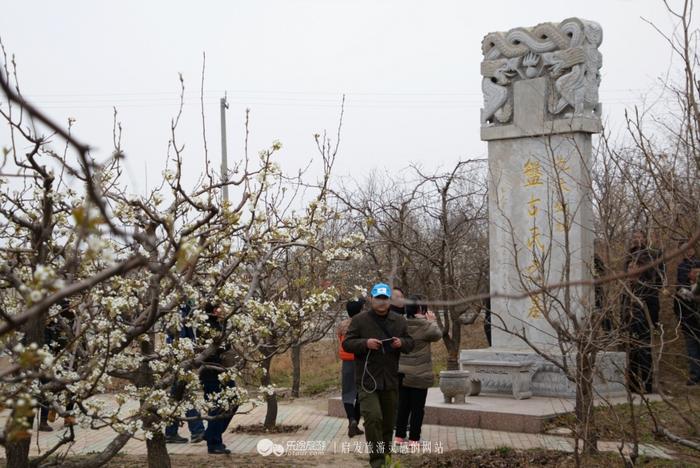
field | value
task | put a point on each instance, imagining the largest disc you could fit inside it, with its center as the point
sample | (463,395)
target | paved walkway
(323,434)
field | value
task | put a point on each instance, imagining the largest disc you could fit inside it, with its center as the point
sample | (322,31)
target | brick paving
(323,429)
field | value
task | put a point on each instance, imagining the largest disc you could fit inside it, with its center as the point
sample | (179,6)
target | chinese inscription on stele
(534,179)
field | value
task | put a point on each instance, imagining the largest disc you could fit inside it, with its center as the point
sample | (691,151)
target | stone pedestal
(540,111)
(547,379)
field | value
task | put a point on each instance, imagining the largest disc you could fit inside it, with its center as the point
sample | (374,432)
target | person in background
(58,334)
(416,370)
(641,309)
(349,395)
(687,310)
(196,426)
(213,386)
(398,304)
(376,338)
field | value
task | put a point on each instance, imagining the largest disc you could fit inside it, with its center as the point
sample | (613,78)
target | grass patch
(614,422)
(320,364)
(260,429)
(320,368)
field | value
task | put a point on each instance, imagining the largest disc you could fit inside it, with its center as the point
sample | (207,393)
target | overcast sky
(410,70)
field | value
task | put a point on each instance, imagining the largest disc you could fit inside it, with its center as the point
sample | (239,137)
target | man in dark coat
(209,377)
(195,425)
(57,336)
(377,337)
(641,309)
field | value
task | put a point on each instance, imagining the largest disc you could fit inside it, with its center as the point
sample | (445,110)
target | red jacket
(341,331)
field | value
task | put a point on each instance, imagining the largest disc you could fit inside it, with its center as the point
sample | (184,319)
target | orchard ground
(460,446)
(449,446)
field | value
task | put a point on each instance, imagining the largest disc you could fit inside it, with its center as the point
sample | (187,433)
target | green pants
(379,413)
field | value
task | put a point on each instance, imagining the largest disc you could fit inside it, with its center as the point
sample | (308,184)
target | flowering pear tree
(50,251)
(283,304)
(107,273)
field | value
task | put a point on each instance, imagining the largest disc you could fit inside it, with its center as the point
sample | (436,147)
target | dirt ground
(499,458)
(248,461)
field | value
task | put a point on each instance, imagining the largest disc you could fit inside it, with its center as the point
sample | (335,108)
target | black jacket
(649,282)
(212,373)
(687,310)
(683,272)
(382,364)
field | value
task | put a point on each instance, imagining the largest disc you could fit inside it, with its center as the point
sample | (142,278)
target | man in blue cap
(377,337)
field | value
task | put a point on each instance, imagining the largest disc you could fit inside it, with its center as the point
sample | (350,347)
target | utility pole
(224,162)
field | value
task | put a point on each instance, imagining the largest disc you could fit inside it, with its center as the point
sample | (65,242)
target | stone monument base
(548,380)
(493,412)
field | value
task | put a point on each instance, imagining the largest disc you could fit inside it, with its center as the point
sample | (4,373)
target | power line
(302,99)
(292,92)
(366,105)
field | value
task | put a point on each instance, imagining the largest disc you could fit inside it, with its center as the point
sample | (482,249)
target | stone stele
(540,110)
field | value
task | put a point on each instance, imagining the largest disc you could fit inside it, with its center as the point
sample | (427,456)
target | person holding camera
(416,370)
(376,338)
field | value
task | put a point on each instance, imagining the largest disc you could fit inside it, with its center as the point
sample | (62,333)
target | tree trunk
(452,352)
(296,370)
(157,451)
(453,358)
(17,450)
(99,459)
(271,415)
(452,342)
(585,411)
